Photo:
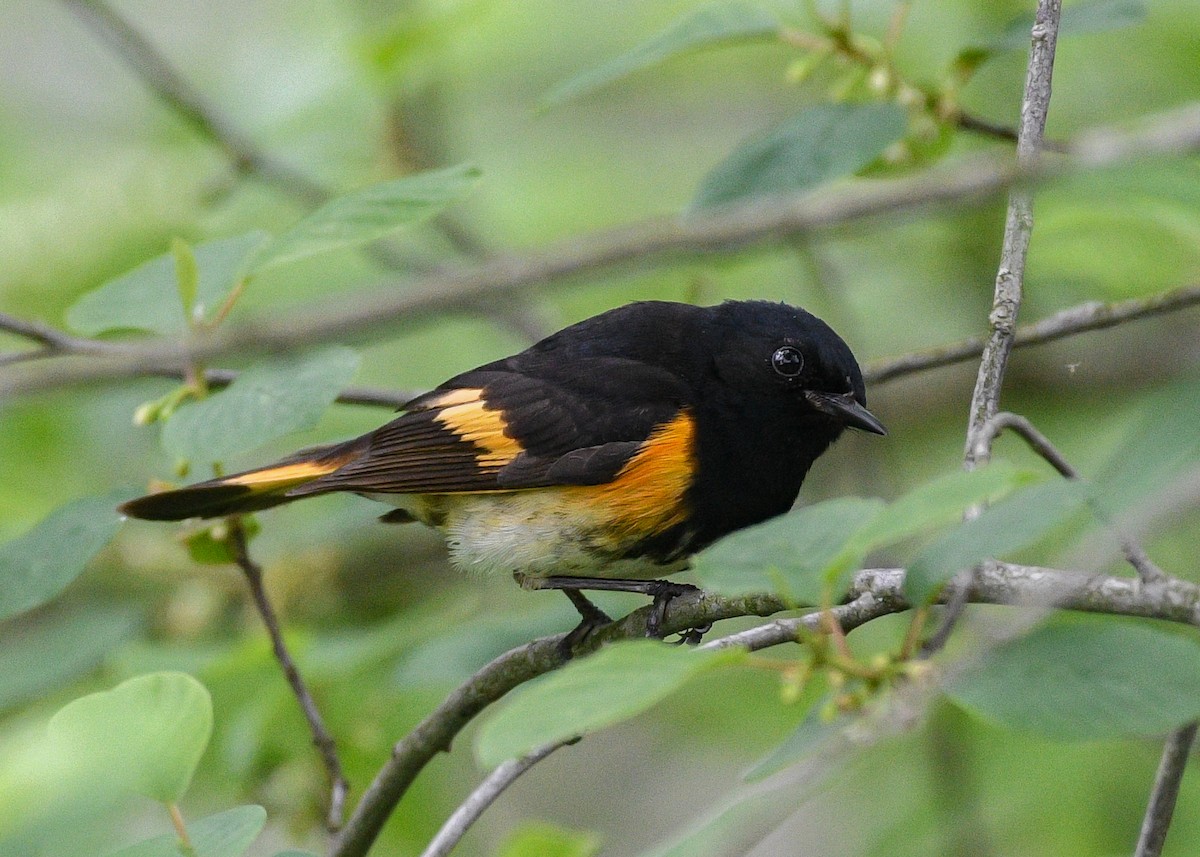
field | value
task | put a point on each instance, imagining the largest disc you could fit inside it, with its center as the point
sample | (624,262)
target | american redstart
(598,458)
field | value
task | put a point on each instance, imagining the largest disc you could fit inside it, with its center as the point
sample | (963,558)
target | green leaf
(44,655)
(147,733)
(539,839)
(941,501)
(1015,523)
(369,214)
(38,565)
(822,143)
(1097,16)
(148,297)
(1087,678)
(711,26)
(226,834)
(789,554)
(293,853)
(612,685)
(265,402)
(1163,444)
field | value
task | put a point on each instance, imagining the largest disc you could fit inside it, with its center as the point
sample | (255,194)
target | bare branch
(1017,230)
(473,807)
(1010,279)
(323,741)
(460,288)
(876,592)
(1166,791)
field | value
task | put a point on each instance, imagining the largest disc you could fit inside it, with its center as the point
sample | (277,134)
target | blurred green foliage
(573,127)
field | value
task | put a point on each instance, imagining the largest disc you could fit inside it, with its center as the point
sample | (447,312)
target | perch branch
(322,740)
(458,288)
(876,592)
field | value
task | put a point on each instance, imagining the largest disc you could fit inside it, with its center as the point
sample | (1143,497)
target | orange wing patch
(471,420)
(647,495)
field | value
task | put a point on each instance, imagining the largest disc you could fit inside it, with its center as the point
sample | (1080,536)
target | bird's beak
(846,409)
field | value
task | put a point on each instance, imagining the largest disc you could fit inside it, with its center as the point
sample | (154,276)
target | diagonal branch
(1166,790)
(461,288)
(156,71)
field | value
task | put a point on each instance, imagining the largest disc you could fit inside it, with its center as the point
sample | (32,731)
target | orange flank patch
(473,421)
(647,496)
(284,475)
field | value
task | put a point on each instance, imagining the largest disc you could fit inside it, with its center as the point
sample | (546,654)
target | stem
(1166,790)
(323,741)
(185,841)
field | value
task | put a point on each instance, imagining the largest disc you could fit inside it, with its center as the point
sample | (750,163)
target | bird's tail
(248,491)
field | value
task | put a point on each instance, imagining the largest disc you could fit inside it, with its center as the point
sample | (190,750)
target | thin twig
(1166,790)
(339,786)
(876,592)
(492,787)
(1146,568)
(987,128)
(460,288)
(1010,278)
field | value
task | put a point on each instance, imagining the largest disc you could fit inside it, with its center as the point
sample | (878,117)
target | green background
(97,176)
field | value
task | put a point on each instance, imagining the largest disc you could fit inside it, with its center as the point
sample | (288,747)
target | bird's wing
(497,429)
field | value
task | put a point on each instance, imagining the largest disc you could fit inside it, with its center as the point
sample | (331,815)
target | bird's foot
(664,592)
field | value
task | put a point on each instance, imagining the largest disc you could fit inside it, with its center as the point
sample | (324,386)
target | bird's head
(782,355)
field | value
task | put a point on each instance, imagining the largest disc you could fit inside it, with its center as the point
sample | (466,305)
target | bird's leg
(662,591)
(592,617)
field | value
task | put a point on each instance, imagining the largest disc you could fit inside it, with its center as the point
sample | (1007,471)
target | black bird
(598,458)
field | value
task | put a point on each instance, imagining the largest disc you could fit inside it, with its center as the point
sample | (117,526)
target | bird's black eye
(787,361)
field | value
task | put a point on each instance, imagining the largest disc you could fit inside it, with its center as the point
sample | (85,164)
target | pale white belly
(536,533)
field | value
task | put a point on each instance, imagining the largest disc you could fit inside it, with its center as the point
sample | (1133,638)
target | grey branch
(1088,316)
(876,592)
(460,288)
(1018,227)
(491,788)
(1010,279)
(1166,790)
(323,741)
(1085,317)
